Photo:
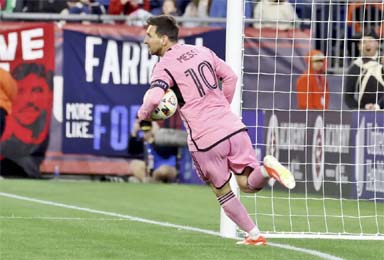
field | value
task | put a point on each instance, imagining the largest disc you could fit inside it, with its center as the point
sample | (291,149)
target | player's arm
(160,82)
(226,75)
(152,99)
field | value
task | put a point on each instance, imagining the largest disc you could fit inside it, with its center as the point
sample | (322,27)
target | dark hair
(24,69)
(166,25)
(365,33)
(370,33)
(145,125)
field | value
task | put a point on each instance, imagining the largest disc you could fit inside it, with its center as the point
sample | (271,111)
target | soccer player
(217,139)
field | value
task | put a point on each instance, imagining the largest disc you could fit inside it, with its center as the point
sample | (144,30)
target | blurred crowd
(364,19)
(280,14)
(266,12)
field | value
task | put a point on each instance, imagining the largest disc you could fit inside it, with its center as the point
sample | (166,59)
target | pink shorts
(233,154)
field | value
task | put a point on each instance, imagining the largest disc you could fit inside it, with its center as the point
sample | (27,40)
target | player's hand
(372,106)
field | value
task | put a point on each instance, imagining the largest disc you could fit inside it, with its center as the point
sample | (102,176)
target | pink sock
(256,180)
(236,211)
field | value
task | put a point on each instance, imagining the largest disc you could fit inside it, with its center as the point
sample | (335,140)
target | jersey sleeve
(160,82)
(226,74)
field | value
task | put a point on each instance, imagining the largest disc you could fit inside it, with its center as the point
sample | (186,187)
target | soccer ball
(167,106)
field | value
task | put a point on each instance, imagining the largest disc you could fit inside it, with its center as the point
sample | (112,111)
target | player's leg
(236,211)
(165,173)
(243,162)
(243,180)
(250,175)
(212,167)
(137,169)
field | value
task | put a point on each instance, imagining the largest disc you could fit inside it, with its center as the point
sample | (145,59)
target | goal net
(294,100)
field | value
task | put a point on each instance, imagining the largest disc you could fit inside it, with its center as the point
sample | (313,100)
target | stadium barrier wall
(336,154)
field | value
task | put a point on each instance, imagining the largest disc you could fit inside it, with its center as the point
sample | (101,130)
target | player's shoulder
(355,65)
(156,67)
(197,48)
(200,48)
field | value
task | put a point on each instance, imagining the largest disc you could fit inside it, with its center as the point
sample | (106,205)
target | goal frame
(234,57)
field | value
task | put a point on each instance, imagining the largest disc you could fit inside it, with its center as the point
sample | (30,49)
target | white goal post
(336,154)
(233,56)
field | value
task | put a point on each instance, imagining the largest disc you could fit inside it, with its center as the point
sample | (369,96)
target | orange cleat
(279,172)
(259,241)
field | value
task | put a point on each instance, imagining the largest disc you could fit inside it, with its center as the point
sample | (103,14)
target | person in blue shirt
(154,163)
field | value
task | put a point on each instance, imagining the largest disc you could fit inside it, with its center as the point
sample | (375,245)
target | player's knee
(247,171)
(137,169)
(165,174)
(242,181)
(222,190)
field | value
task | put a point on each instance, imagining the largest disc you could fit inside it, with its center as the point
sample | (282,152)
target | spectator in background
(7,5)
(196,9)
(139,16)
(364,16)
(159,164)
(78,7)
(127,6)
(8,91)
(218,8)
(156,6)
(104,3)
(277,14)
(312,86)
(364,80)
(361,17)
(169,8)
(40,6)
(136,9)
(82,7)
(96,7)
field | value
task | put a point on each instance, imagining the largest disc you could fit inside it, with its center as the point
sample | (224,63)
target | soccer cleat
(259,241)
(279,172)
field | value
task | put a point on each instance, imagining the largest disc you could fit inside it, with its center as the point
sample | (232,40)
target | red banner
(27,52)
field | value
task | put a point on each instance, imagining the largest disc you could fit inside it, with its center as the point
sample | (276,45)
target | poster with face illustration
(27,52)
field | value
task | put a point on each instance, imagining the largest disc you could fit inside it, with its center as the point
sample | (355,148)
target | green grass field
(34,230)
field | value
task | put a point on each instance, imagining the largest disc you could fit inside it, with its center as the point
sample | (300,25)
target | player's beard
(155,51)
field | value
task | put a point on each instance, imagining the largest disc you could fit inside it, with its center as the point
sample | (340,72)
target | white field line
(163,224)
(63,218)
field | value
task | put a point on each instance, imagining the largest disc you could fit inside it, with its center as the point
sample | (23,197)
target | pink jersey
(193,74)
